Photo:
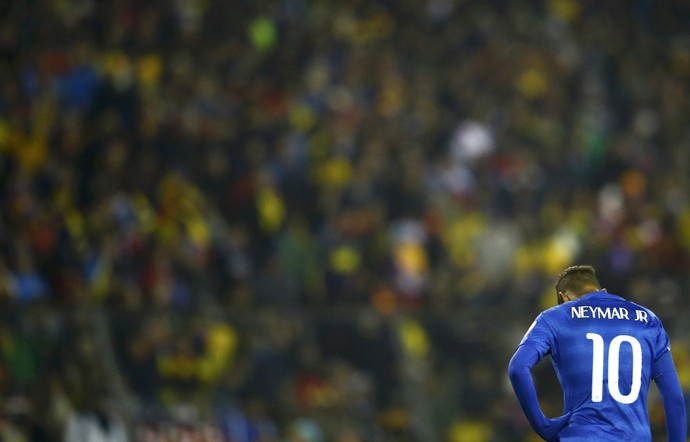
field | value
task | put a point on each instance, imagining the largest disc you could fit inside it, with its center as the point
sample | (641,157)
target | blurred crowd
(324,220)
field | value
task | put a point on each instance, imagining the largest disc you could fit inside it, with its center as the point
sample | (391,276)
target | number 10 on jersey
(598,356)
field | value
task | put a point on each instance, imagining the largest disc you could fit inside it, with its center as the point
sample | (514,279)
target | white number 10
(614,355)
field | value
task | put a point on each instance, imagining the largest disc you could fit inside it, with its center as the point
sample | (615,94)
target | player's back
(603,351)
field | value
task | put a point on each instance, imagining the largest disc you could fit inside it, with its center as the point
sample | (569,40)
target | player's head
(576,281)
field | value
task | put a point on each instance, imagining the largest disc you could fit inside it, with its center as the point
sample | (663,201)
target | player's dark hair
(577,279)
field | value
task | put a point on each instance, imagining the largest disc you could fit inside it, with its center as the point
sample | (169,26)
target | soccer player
(605,351)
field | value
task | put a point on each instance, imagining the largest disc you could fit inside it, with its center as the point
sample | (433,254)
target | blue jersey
(603,349)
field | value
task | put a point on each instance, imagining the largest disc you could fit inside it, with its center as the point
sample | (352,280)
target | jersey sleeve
(661,348)
(672,397)
(666,378)
(539,336)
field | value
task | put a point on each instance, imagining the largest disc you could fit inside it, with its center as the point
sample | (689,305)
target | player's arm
(520,373)
(666,379)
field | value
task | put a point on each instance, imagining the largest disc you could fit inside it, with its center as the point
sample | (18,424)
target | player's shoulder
(554,313)
(612,297)
(646,315)
(640,306)
(650,313)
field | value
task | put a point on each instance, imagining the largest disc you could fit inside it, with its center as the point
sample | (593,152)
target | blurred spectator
(95,422)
